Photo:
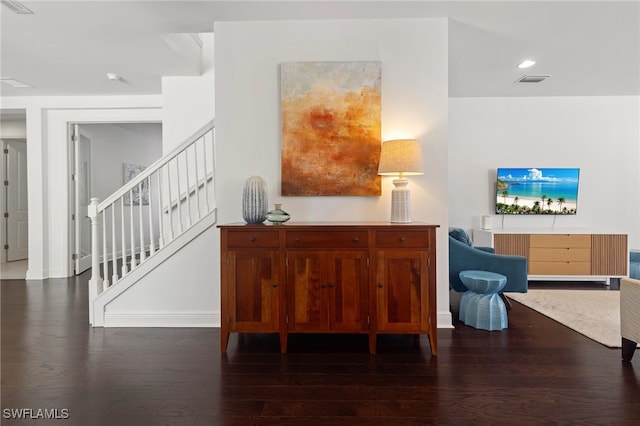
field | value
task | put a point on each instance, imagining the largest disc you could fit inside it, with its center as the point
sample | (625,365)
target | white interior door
(17,223)
(82,188)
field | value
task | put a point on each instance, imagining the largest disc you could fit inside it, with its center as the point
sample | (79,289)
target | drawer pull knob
(356,239)
(331,285)
(298,239)
(274,285)
(323,286)
(252,239)
(379,285)
(402,239)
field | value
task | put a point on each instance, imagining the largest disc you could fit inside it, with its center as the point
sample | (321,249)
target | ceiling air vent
(17,7)
(532,78)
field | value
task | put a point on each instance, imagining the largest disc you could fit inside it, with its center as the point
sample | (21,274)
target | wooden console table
(562,255)
(368,278)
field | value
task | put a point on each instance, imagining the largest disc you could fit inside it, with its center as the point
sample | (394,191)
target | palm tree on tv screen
(561,201)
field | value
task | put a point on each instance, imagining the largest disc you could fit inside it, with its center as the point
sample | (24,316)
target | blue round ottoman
(481,306)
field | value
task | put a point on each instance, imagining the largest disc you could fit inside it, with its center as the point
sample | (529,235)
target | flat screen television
(537,191)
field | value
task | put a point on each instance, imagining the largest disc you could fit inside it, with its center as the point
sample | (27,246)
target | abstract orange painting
(330,128)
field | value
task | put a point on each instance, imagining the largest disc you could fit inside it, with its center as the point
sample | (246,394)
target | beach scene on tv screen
(537,191)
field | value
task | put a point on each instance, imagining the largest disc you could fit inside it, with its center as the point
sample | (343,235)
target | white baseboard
(33,274)
(445,319)
(162,319)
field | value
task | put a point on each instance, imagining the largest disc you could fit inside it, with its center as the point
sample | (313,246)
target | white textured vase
(254,200)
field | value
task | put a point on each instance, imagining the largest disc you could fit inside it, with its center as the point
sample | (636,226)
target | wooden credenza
(563,255)
(328,278)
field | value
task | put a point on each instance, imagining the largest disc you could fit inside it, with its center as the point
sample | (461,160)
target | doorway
(98,153)
(15,212)
(81,178)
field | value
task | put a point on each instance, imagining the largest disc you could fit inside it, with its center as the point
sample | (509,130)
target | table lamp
(402,157)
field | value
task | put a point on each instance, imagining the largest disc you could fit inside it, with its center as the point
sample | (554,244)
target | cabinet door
(253,291)
(348,290)
(306,291)
(402,288)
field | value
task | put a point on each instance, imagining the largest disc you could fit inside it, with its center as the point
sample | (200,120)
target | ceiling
(66,48)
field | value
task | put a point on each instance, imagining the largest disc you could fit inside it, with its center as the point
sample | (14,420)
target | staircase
(150,218)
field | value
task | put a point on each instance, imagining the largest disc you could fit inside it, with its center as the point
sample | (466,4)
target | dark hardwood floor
(535,372)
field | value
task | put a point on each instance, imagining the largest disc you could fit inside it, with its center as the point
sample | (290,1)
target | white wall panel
(600,135)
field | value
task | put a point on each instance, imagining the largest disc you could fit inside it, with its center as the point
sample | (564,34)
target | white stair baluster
(132,231)
(170,203)
(125,270)
(114,256)
(188,194)
(105,253)
(205,186)
(180,228)
(143,251)
(160,214)
(152,243)
(195,168)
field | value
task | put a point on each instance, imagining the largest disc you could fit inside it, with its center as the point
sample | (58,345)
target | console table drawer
(402,239)
(569,254)
(560,268)
(252,239)
(328,239)
(560,240)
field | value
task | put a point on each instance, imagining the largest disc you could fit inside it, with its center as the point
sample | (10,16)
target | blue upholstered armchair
(634,264)
(463,256)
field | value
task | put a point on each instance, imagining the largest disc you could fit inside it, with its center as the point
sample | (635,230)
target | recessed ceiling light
(113,76)
(17,7)
(12,82)
(526,63)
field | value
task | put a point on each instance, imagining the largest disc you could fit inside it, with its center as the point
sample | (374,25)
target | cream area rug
(593,313)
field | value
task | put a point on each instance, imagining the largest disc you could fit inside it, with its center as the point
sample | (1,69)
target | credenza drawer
(560,268)
(328,239)
(252,239)
(560,240)
(402,239)
(569,254)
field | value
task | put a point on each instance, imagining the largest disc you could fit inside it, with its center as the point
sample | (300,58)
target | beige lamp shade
(401,157)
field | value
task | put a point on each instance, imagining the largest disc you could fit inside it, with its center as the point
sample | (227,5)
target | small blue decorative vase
(278,216)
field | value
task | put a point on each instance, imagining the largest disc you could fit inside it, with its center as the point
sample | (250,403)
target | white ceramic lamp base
(400,202)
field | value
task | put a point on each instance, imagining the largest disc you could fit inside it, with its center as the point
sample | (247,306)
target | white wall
(600,135)
(112,145)
(181,292)
(413,53)
(188,101)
